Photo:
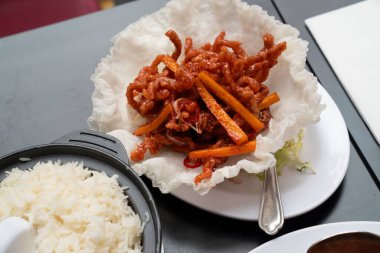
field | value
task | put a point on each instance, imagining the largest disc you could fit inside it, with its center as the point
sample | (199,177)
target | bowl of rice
(80,195)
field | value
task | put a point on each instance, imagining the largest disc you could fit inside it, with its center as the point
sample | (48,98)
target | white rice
(72,209)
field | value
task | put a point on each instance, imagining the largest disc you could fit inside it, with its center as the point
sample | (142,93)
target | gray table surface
(45,92)
(295,12)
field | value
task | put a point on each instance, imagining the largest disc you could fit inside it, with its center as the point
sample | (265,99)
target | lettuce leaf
(289,155)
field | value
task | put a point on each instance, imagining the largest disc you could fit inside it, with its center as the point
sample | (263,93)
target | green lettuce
(289,155)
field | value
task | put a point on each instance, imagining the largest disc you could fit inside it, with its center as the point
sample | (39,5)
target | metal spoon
(271,216)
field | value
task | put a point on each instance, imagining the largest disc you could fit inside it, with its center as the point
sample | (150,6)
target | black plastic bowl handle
(97,140)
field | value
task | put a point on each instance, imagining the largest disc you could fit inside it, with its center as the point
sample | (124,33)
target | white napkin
(350,40)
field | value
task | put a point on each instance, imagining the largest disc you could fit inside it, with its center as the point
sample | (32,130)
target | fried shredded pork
(213,98)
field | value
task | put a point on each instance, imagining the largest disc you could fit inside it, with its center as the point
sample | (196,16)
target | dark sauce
(359,242)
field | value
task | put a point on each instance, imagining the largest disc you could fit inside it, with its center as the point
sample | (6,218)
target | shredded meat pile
(191,125)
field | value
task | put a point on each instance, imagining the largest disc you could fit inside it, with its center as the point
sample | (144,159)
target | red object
(22,15)
(193,118)
(191,163)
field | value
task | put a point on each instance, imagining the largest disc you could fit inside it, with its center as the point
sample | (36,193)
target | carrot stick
(232,129)
(268,101)
(224,151)
(170,63)
(156,122)
(221,93)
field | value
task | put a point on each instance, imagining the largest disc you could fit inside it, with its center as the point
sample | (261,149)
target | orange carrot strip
(232,129)
(224,151)
(268,101)
(170,63)
(221,93)
(156,122)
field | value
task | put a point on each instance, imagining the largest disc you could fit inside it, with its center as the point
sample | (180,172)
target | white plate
(300,240)
(326,145)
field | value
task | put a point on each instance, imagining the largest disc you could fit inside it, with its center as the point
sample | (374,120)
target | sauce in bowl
(355,242)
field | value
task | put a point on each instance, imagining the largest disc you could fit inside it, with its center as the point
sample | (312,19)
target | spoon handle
(271,216)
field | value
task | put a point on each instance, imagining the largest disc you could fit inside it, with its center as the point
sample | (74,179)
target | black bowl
(99,152)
